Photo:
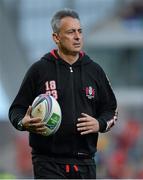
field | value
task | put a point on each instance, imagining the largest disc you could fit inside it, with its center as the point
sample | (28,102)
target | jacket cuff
(102,125)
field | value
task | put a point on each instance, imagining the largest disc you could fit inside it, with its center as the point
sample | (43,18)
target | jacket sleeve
(24,97)
(107,110)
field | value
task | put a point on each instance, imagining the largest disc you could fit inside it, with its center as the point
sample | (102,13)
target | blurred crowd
(120,154)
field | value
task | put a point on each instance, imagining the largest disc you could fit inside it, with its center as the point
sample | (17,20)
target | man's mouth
(77,44)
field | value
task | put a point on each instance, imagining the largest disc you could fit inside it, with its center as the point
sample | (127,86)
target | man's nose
(77,35)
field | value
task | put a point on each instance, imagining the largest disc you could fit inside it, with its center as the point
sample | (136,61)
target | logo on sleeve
(90,92)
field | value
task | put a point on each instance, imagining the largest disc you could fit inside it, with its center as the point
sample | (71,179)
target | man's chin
(77,50)
(74,51)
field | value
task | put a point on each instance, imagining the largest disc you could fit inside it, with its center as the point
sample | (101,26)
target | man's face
(70,38)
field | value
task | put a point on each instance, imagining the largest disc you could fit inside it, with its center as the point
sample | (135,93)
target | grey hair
(55,22)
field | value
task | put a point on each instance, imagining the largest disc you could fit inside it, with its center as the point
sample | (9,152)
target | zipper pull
(71,70)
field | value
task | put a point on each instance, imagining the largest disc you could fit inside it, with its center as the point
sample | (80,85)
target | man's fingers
(83,119)
(84,114)
(35,120)
(87,132)
(84,128)
(87,124)
(41,130)
(37,125)
(90,123)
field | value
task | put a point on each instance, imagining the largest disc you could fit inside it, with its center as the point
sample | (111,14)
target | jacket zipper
(71,70)
(73,102)
(72,90)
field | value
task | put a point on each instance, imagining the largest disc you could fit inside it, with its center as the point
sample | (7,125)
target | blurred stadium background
(113,31)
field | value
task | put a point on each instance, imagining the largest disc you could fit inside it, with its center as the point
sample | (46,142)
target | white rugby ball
(48,109)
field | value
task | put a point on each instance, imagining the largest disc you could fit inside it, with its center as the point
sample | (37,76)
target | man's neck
(69,58)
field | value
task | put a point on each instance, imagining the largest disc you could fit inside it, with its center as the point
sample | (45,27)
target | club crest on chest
(89,92)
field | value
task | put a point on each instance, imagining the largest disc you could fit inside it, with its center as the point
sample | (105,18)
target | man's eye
(70,32)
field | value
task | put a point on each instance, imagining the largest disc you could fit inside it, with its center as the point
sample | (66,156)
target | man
(87,102)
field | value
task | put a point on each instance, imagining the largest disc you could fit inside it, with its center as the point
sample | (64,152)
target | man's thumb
(29,111)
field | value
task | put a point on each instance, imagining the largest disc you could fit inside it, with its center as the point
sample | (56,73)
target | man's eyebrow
(74,29)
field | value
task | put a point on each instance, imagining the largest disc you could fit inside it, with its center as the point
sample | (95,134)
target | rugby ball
(48,109)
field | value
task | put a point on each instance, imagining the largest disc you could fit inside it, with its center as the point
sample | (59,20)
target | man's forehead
(69,22)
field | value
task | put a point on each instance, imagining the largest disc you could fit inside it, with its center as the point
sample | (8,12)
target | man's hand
(87,124)
(35,125)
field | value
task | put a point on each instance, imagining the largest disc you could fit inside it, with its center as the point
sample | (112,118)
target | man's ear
(55,38)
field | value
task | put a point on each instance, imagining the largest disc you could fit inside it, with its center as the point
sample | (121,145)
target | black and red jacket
(79,88)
